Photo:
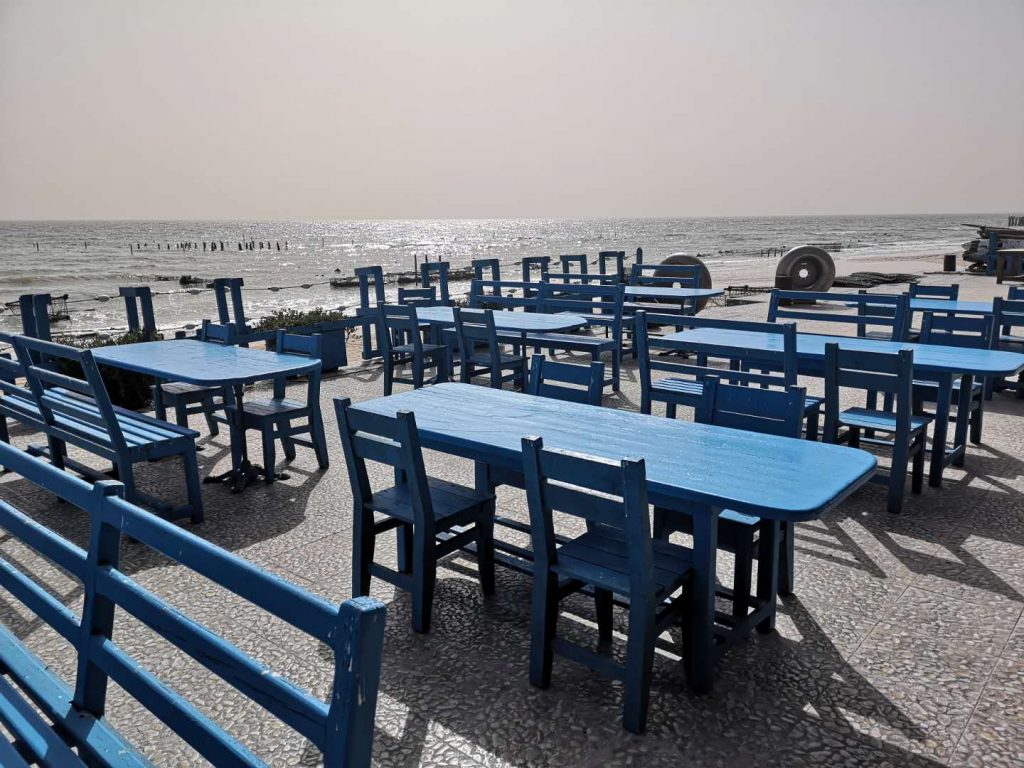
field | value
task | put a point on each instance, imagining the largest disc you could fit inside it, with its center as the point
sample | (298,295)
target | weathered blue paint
(341,727)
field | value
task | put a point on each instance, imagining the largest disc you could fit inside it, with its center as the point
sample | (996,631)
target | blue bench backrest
(341,728)
(138,306)
(1009,313)
(421,297)
(951,292)
(498,294)
(860,309)
(667,275)
(438,269)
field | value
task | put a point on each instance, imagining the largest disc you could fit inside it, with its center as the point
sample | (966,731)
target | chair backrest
(390,440)
(138,307)
(35,315)
(486,269)
(769,411)
(667,275)
(421,297)
(604,300)
(617,264)
(229,289)
(474,328)
(51,369)
(566,381)
(436,270)
(951,292)
(578,259)
(881,372)
(584,278)
(340,727)
(398,324)
(10,373)
(311,346)
(973,331)
(1008,314)
(868,309)
(600,491)
(1016,293)
(370,278)
(218,333)
(501,294)
(541,263)
(762,367)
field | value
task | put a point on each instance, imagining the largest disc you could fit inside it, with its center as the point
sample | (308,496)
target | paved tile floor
(902,646)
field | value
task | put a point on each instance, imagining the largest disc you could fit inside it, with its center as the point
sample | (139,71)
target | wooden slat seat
(505,360)
(883,421)
(601,557)
(696,389)
(184,388)
(449,501)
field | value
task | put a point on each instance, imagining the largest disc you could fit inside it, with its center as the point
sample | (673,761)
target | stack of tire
(806,268)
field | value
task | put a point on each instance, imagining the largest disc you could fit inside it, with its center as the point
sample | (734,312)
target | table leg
(768,571)
(963,419)
(939,430)
(701,671)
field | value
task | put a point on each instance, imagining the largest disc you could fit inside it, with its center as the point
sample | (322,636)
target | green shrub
(292,318)
(126,388)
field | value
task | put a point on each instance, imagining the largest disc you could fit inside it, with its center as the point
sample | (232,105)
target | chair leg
(485,547)
(917,474)
(5,436)
(180,413)
(743,576)
(543,622)
(670,410)
(208,409)
(269,455)
(403,536)
(389,375)
(977,419)
(418,368)
(158,402)
(603,607)
(127,477)
(194,484)
(639,659)
(363,541)
(319,440)
(898,475)
(787,557)
(424,575)
(812,424)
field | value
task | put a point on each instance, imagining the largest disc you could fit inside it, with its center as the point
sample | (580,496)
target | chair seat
(600,557)
(271,407)
(1011,339)
(866,418)
(880,335)
(922,387)
(571,340)
(506,361)
(183,388)
(448,500)
(409,349)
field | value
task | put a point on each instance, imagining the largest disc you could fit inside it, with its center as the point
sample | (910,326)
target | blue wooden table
(690,467)
(941,363)
(198,362)
(957,307)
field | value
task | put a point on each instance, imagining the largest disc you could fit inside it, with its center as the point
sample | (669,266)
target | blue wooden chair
(486,269)
(888,374)
(566,381)
(482,352)
(433,517)
(540,263)
(402,344)
(568,260)
(52,723)
(612,263)
(768,411)
(685,384)
(74,407)
(436,271)
(275,418)
(972,332)
(187,399)
(616,556)
(370,279)
(1009,329)
(420,297)
(138,307)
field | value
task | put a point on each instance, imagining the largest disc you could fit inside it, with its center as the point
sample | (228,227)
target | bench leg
(424,575)
(208,412)
(362,553)
(485,548)
(194,485)
(603,604)
(180,414)
(917,475)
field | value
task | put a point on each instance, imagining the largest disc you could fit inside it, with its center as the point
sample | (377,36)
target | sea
(292,262)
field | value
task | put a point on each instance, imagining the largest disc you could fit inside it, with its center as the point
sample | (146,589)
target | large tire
(685,258)
(806,268)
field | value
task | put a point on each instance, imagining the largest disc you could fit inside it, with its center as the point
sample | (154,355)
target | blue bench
(1009,332)
(503,294)
(48,718)
(69,409)
(892,313)
(600,305)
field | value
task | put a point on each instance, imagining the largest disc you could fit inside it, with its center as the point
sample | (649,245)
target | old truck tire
(806,268)
(685,258)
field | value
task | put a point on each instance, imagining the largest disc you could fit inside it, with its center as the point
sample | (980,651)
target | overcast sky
(471,108)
